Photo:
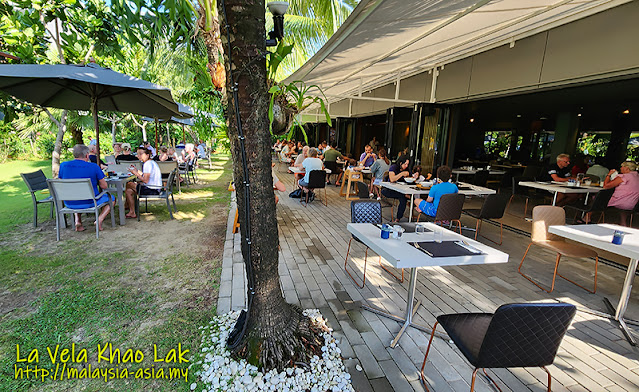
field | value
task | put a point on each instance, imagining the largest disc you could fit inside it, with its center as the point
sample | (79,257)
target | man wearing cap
(126,154)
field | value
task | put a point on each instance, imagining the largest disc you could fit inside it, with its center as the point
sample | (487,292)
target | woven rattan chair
(516,335)
(363,211)
(544,217)
(37,182)
(493,208)
(449,209)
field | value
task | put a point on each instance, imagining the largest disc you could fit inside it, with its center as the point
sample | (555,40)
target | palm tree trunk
(277,333)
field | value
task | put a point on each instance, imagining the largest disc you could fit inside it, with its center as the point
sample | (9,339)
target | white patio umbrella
(86,87)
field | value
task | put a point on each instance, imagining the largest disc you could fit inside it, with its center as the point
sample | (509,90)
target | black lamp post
(278,9)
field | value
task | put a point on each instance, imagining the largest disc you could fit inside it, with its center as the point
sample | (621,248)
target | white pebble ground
(221,373)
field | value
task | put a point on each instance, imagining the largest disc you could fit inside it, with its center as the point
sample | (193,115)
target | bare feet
(131,216)
(79,227)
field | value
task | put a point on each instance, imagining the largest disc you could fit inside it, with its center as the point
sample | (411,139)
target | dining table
(600,236)
(117,183)
(458,172)
(436,247)
(556,187)
(465,189)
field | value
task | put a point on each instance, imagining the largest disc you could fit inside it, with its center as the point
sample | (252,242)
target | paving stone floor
(594,355)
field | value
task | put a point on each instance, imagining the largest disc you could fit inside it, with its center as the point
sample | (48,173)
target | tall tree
(276,333)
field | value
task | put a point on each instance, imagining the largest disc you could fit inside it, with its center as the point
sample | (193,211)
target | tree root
(296,341)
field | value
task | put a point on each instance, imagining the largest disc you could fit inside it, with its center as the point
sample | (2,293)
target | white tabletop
(600,237)
(409,189)
(300,170)
(464,171)
(402,255)
(556,187)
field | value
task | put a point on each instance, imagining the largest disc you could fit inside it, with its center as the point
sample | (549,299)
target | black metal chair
(516,335)
(363,211)
(599,204)
(449,209)
(316,180)
(166,191)
(37,182)
(532,171)
(362,190)
(481,178)
(332,166)
(493,208)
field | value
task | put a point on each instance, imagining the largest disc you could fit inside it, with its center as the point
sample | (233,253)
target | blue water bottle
(617,237)
(386,229)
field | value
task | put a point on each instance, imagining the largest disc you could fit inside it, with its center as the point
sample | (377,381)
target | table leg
(554,199)
(119,187)
(625,297)
(586,201)
(410,209)
(410,311)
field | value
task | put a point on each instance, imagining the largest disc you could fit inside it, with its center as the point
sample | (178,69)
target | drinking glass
(439,234)
(420,228)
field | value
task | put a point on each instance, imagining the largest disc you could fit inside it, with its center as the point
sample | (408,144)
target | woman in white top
(150,176)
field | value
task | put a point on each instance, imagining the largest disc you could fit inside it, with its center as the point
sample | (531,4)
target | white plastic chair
(76,189)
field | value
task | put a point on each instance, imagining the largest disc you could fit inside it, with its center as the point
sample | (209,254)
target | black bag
(296,194)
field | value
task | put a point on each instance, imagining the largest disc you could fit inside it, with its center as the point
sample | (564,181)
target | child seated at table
(416,173)
(443,187)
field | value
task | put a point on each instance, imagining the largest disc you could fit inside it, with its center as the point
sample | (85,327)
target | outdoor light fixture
(472,120)
(278,9)
(627,111)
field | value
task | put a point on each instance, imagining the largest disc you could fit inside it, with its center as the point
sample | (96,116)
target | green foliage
(297,96)
(594,144)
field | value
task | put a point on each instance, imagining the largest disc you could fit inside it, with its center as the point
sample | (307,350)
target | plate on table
(409,180)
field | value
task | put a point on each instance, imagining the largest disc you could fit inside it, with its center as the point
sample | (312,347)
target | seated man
(560,172)
(443,187)
(331,155)
(94,158)
(80,167)
(201,150)
(126,155)
(368,157)
(150,176)
(598,171)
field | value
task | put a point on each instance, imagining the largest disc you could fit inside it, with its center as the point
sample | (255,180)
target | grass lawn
(145,286)
(16,206)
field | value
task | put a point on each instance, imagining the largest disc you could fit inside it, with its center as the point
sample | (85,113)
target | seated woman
(396,173)
(626,185)
(311,163)
(163,156)
(150,176)
(443,187)
(378,168)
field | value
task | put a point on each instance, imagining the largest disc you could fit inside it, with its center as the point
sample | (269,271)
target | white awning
(387,40)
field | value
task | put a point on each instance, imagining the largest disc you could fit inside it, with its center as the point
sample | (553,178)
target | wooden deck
(594,355)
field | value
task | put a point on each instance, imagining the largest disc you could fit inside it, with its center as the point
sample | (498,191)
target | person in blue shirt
(429,205)
(80,167)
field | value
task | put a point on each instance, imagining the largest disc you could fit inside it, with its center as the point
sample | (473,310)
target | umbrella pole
(156,132)
(183,137)
(94,109)
(168,134)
